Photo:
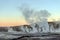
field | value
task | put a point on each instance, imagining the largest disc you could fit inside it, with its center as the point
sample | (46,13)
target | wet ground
(37,36)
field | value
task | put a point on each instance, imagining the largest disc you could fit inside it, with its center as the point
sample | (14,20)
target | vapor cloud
(32,16)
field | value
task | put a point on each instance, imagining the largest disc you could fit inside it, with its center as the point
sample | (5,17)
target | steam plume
(32,16)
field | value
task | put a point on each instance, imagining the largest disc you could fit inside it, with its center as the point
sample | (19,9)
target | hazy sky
(11,15)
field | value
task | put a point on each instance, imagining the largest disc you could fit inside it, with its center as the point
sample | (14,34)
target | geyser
(38,17)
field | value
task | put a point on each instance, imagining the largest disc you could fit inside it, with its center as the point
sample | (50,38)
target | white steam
(32,16)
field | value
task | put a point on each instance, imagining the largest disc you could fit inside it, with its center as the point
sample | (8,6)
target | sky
(10,14)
